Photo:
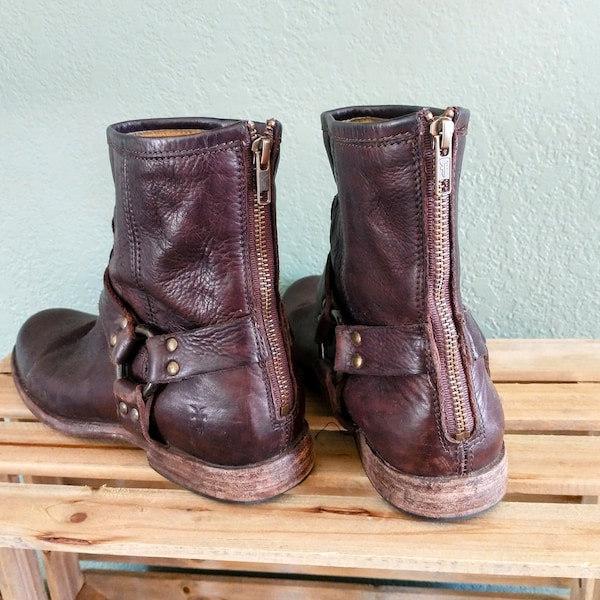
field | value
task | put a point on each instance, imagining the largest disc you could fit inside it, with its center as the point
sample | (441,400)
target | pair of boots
(191,355)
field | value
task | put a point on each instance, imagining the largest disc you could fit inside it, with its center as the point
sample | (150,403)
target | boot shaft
(182,220)
(385,237)
(394,246)
(195,240)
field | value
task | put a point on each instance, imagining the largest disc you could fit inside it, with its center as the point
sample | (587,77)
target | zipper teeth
(460,417)
(452,357)
(279,376)
(267,305)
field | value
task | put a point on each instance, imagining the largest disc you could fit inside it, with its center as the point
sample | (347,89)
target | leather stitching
(176,153)
(398,137)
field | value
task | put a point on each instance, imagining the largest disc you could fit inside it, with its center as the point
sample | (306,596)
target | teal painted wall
(528,71)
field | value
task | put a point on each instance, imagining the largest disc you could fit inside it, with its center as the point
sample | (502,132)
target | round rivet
(123,323)
(172,367)
(123,408)
(135,414)
(357,361)
(356,338)
(172,344)
(113,340)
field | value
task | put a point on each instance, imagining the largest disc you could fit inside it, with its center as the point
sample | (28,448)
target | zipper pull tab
(442,130)
(261,147)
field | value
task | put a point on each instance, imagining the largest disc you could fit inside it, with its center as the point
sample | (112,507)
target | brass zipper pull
(261,147)
(442,130)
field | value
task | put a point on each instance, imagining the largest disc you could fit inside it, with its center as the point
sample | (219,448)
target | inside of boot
(166,132)
(365,120)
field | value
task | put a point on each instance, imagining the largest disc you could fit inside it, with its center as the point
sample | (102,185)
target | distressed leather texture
(180,269)
(376,283)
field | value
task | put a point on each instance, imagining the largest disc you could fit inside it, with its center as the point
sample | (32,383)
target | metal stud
(135,414)
(123,408)
(357,361)
(172,368)
(356,338)
(172,344)
(123,323)
(113,340)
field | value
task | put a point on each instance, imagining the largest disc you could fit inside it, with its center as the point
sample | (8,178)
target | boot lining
(365,120)
(167,132)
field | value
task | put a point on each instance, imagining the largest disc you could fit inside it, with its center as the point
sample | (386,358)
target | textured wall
(529,72)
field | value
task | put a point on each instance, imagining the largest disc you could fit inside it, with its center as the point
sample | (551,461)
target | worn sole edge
(448,497)
(246,484)
(241,484)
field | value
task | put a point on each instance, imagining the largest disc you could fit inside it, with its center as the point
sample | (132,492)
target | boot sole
(445,498)
(245,484)
(240,484)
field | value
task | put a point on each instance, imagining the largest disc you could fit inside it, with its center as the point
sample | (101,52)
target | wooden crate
(332,537)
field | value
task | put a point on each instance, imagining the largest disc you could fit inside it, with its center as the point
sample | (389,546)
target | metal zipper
(455,391)
(263,265)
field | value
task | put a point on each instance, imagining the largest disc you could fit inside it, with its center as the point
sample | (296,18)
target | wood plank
(547,407)
(11,406)
(20,575)
(540,465)
(585,589)
(544,360)
(553,465)
(5,365)
(69,461)
(286,571)
(63,574)
(528,406)
(88,592)
(32,433)
(512,539)
(152,586)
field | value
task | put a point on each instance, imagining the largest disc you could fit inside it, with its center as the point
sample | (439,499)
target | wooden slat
(512,539)
(542,464)
(341,573)
(151,586)
(20,575)
(556,360)
(88,592)
(69,461)
(543,407)
(63,575)
(585,589)
(5,364)
(337,470)
(554,465)
(526,360)
(544,360)
(11,406)
(547,407)
(28,433)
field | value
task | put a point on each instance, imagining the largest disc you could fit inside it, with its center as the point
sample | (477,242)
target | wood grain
(556,360)
(512,539)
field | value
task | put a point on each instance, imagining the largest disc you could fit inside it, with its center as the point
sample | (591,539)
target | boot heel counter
(487,440)
(223,417)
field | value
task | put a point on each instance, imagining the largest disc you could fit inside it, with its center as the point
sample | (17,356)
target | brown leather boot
(403,363)
(190,356)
